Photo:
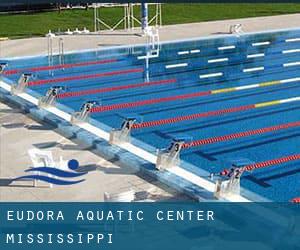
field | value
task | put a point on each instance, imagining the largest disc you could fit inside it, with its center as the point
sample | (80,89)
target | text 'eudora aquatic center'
(112,215)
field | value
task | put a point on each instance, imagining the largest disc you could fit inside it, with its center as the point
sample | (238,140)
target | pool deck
(18,133)
(106,176)
(38,45)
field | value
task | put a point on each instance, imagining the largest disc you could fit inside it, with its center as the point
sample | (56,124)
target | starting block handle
(127,123)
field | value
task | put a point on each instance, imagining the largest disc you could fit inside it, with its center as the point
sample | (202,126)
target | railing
(61,51)
(50,50)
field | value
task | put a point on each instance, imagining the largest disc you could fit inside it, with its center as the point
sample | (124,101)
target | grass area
(38,24)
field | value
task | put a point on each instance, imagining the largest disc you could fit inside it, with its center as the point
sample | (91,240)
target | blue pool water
(237,61)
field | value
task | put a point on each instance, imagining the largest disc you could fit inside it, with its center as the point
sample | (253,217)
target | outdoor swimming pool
(234,98)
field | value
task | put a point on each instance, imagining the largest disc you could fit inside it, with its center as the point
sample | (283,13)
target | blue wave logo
(62,174)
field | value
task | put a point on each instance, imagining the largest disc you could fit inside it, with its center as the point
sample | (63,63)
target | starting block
(22,84)
(122,135)
(170,157)
(231,185)
(3,65)
(84,113)
(50,97)
(226,188)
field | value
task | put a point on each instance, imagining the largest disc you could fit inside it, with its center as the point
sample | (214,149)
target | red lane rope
(65,66)
(71,78)
(240,134)
(191,117)
(296,200)
(110,89)
(148,102)
(265,164)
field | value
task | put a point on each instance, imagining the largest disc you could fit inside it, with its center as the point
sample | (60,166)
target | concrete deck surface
(18,133)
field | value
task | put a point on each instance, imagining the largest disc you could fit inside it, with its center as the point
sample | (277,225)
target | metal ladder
(61,51)
(50,53)
(153,47)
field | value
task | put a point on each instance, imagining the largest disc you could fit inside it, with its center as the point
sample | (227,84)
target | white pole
(144,14)
(95,18)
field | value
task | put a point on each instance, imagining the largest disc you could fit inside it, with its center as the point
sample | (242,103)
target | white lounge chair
(236,29)
(50,34)
(43,158)
(128,196)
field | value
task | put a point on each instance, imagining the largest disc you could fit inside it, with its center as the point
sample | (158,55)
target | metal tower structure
(129,20)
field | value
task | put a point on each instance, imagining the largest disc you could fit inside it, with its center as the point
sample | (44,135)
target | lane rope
(188,96)
(240,135)
(191,117)
(263,164)
(269,163)
(147,102)
(160,122)
(65,66)
(296,200)
(111,89)
(80,77)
